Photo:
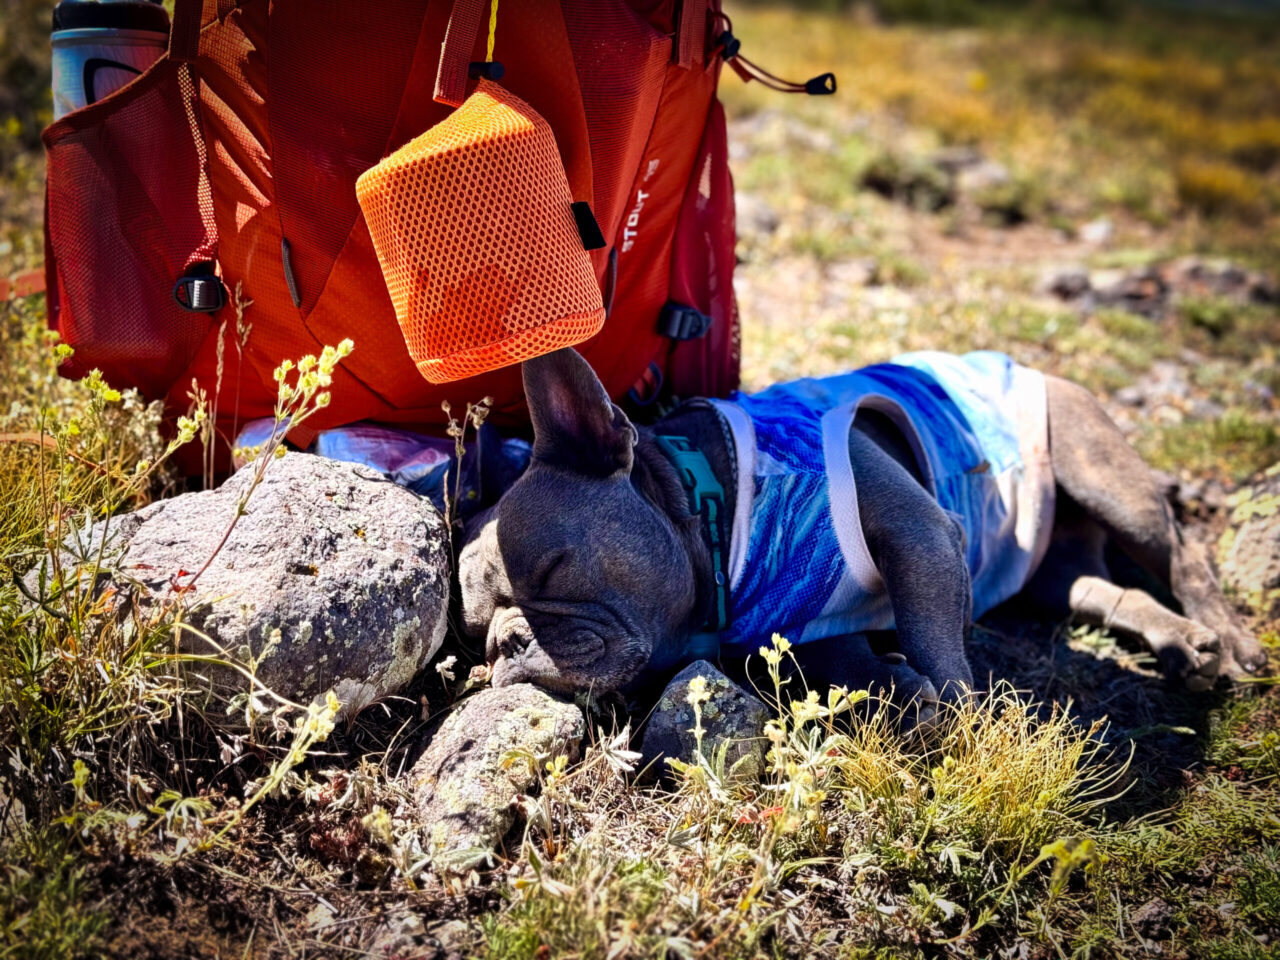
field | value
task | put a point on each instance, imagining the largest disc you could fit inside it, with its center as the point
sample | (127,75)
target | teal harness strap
(706,501)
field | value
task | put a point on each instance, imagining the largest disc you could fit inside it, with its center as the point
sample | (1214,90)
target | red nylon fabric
(702,270)
(295,100)
(128,211)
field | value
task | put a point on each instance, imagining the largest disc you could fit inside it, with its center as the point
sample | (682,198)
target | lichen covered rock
(1249,552)
(729,715)
(333,579)
(464,787)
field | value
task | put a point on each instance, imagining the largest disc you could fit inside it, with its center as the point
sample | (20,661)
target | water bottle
(100,45)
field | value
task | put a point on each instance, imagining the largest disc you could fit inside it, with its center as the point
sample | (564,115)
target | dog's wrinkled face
(574,579)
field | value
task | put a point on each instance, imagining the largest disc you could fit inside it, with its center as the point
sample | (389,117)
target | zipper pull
(729,48)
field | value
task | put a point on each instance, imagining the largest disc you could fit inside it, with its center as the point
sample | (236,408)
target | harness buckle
(706,501)
(695,472)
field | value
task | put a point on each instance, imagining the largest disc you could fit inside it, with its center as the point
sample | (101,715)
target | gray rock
(333,579)
(1249,552)
(754,217)
(1202,409)
(954,159)
(401,936)
(912,180)
(1143,291)
(463,793)
(1067,283)
(730,715)
(454,938)
(771,130)
(404,936)
(1131,396)
(973,176)
(1199,277)
(1097,232)
(1262,394)
(807,136)
(320,917)
(857,272)
(1153,920)
(1165,383)
(982,177)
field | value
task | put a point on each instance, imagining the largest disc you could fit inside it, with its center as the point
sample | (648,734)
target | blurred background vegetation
(1093,187)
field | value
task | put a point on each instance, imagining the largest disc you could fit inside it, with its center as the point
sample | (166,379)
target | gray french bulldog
(593,566)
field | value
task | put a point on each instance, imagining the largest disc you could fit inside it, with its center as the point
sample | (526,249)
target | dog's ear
(575,425)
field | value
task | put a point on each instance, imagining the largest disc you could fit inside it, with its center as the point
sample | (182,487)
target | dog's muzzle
(519,654)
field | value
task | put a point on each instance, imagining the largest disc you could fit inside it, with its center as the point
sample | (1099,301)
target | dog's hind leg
(1098,470)
(1073,578)
(1185,649)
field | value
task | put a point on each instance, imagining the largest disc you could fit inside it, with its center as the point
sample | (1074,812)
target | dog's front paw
(913,693)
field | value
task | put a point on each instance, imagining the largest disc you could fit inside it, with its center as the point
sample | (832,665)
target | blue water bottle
(100,45)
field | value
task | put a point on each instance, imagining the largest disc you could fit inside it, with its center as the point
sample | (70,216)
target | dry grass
(856,834)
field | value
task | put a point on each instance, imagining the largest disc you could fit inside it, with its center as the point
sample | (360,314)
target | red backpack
(202,222)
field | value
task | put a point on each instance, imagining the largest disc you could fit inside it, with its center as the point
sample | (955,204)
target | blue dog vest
(798,560)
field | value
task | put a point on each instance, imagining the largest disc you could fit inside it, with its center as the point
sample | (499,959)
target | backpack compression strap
(691,38)
(455,52)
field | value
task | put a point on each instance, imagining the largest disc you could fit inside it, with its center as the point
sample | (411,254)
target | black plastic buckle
(588,229)
(611,286)
(486,70)
(682,322)
(200,293)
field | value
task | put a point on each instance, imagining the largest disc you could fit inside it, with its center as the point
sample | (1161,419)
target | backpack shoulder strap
(184,35)
(691,34)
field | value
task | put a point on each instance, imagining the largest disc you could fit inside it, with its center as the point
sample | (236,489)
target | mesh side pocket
(128,212)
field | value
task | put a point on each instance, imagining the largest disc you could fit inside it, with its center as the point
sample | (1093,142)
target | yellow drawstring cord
(493,29)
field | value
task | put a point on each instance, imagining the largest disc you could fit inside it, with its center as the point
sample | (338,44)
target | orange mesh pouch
(474,230)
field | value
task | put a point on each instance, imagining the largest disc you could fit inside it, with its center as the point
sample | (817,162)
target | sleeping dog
(911,496)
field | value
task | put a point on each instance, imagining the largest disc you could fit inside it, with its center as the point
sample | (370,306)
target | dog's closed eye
(547,566)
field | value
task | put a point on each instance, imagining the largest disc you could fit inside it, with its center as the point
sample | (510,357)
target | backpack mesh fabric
(128,212)
(473,227)
(252,166)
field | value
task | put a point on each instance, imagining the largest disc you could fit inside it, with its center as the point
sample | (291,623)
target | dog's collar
(707,502)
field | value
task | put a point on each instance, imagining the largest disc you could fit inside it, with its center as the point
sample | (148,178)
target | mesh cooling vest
(799,564)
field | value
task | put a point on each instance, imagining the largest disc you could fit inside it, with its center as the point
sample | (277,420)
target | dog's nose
(510,634)
(509,644)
